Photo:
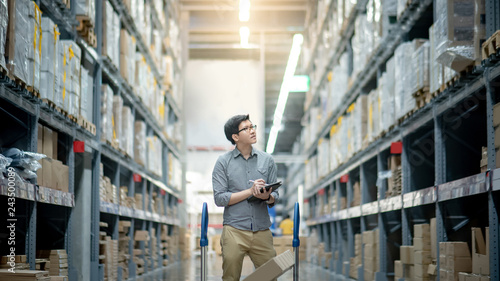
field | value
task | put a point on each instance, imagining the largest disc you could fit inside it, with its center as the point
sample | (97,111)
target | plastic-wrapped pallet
(111,26)
(455,33)
(166,69)
(420,61)
(359,124)
(479,29)
(435,68)
(18,40)
(374,116)
(117,120)
(86,98)
(140,142)
(107,113)
(71,76)
(343,124)
(4,21)
(386,83)
(339,82)
(35,51)
(85,8)
(154,152)
(323,158)
(127,56)
(404,101)
(334,147)
(156,46)
(361,44)
(50,39)
(401,7)
(127,131)
(166,116)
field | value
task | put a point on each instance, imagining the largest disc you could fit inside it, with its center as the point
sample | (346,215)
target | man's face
(247,133)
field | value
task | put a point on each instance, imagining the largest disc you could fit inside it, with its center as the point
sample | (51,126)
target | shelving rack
(442,143)
(66,220)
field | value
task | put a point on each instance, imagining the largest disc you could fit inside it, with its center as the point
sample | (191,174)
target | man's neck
(246,150)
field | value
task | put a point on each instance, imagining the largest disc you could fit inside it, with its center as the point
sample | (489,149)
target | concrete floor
(189,270)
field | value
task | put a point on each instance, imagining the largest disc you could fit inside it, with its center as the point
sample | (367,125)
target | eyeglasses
(253,127)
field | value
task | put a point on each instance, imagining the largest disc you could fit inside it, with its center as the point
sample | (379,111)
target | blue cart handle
(204,226)
(296,225)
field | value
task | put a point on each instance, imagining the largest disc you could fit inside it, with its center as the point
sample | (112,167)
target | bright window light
(285,89)
(244,10)
(244,34)
(299,83)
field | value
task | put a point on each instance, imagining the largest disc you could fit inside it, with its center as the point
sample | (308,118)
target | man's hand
(256,189)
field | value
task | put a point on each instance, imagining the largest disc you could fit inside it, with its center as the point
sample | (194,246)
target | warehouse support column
(493,202)
(82,215)
(439,177)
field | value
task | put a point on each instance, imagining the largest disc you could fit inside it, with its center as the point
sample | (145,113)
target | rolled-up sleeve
(220,185)
(273,177)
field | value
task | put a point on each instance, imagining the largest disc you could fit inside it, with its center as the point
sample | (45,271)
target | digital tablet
(274,186)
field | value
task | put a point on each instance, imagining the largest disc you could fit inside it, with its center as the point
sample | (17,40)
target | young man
(238,175)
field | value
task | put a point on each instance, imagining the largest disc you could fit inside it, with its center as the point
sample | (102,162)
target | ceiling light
(244,34)
(244,10)
(283,96)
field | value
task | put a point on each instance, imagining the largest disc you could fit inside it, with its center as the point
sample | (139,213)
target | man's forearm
(240,196)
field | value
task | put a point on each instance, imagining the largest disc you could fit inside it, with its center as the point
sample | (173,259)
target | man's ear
(235,137)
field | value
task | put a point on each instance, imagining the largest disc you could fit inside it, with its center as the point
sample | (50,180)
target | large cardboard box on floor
(480,252)
(274,268)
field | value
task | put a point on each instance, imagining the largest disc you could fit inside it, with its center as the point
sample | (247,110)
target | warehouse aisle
(189,270)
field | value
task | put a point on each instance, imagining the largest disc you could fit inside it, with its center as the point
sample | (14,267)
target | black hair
(232,125)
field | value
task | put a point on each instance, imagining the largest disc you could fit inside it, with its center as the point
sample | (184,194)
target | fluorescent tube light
(244,34)
(244,10)
(283,96)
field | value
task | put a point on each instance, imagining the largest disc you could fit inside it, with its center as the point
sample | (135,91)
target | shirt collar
(236,152)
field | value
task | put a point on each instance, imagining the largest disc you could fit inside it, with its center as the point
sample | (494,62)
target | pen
(261,189)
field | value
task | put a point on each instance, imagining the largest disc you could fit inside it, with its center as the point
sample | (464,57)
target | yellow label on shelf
(133,39)
(330,75)
(351,107)
(71,53)
(339,120)
(113,124)
(56,34)
(370,116)
(320,141)
(162,110)
(333,130)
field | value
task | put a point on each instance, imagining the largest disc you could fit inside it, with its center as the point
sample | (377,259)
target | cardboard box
(58,278)
(422,230)
(141,235)
(423,257)
(406,254)
(370,250)
(398,269)
(422,244)
(443,262)
(60,180)
(496,115)
(434,243)
(457,249)
(46,171)
(421,270)
(459,264)
(39,143)
(432,269)
(369,237)
(497,137)
(55,137)
(480,251)
(47,146)
(273,268)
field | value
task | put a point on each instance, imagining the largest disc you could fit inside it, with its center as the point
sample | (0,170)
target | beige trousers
(237,243)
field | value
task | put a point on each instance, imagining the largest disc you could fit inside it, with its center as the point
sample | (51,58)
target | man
(238,175)
(286,226)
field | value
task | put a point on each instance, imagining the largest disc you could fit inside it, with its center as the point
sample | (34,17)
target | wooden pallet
(422,97)
(34,91)
(406,116)
(86,30)
(87,125)
(18,81)
(73,118)
(491,45)
(3,70)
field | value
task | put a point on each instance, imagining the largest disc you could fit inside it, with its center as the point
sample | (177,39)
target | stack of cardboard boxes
(53,174)
(371,249)
(164,244)
(140,237)
(28,275)
(58,261)
(394,183)
(416,260)
(123,247)
(454,257)
(19,262)
(355,262)
(480,257)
